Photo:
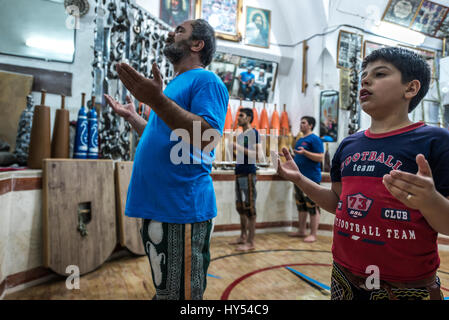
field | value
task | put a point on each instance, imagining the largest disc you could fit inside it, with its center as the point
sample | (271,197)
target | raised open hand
(126,111)
(287,170)
(414,190)
(145,90)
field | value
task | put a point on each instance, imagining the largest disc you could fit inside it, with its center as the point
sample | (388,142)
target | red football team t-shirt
(372,228)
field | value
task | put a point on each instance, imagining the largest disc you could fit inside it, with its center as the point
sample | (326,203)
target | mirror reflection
(37,29)
(246,78)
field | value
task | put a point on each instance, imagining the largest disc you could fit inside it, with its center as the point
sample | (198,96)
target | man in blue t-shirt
(246,82)
(248,149)
(309,154)
(171,188)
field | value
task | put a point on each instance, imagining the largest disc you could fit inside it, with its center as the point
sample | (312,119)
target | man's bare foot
(238,241)
(310,239)
(246,247)
(296,234)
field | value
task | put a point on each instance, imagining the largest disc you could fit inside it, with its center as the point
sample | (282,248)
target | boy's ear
(412,89)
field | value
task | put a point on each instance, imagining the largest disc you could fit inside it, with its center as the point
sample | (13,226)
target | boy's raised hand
(414,190)
(287,170)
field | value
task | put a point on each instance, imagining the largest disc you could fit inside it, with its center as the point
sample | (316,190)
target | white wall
(300,20)
(81,68)
(292,21)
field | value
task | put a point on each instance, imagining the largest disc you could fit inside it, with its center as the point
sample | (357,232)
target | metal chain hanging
(124,33)
(354,110)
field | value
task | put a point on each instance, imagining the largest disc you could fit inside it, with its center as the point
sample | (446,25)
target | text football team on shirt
(390,183)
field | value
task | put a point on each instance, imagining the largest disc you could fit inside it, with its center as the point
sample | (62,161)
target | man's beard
(176,52)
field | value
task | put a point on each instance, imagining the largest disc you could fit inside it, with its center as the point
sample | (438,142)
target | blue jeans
(252,91)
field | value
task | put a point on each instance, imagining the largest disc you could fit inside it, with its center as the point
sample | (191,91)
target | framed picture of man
(429,18)
(175,12)
(257,27)
(401,12)
(222,15)
(349,43)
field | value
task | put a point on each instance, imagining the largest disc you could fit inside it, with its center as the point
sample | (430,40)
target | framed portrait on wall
(429,17)
(401,12)
(223,15)
(369,46)
(329,115)
(257,27)
(175,12)
(348,44)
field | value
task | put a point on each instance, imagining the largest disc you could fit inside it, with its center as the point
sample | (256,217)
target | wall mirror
(40,29)
(329,115)
(230,67)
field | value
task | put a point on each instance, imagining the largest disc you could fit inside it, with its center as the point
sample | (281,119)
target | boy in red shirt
(390,188)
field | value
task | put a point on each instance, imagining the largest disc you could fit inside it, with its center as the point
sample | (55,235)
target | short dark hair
(202,30)
(310,120)
(248,112)
(411,65)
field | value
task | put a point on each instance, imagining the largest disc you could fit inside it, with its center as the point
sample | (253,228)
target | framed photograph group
(223,16)
(419,15)
(401,12)
(429,18)
(349,43)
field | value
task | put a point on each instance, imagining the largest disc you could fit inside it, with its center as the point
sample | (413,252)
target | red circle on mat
(228,290)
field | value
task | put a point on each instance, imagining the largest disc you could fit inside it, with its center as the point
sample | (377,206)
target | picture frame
(429,18)
(443,30)
(445,52)
(329,101)
(223,15)
(257,27)
(175,12)
(348,42)
(401,12)
(345,89)
(370,46)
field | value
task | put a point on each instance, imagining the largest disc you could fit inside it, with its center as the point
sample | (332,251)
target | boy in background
(248,148)
(309,155)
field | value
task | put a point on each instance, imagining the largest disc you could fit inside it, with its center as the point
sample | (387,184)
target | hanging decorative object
(24,132)
(305,49)
(82,5)
(354,115)
(124,33)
